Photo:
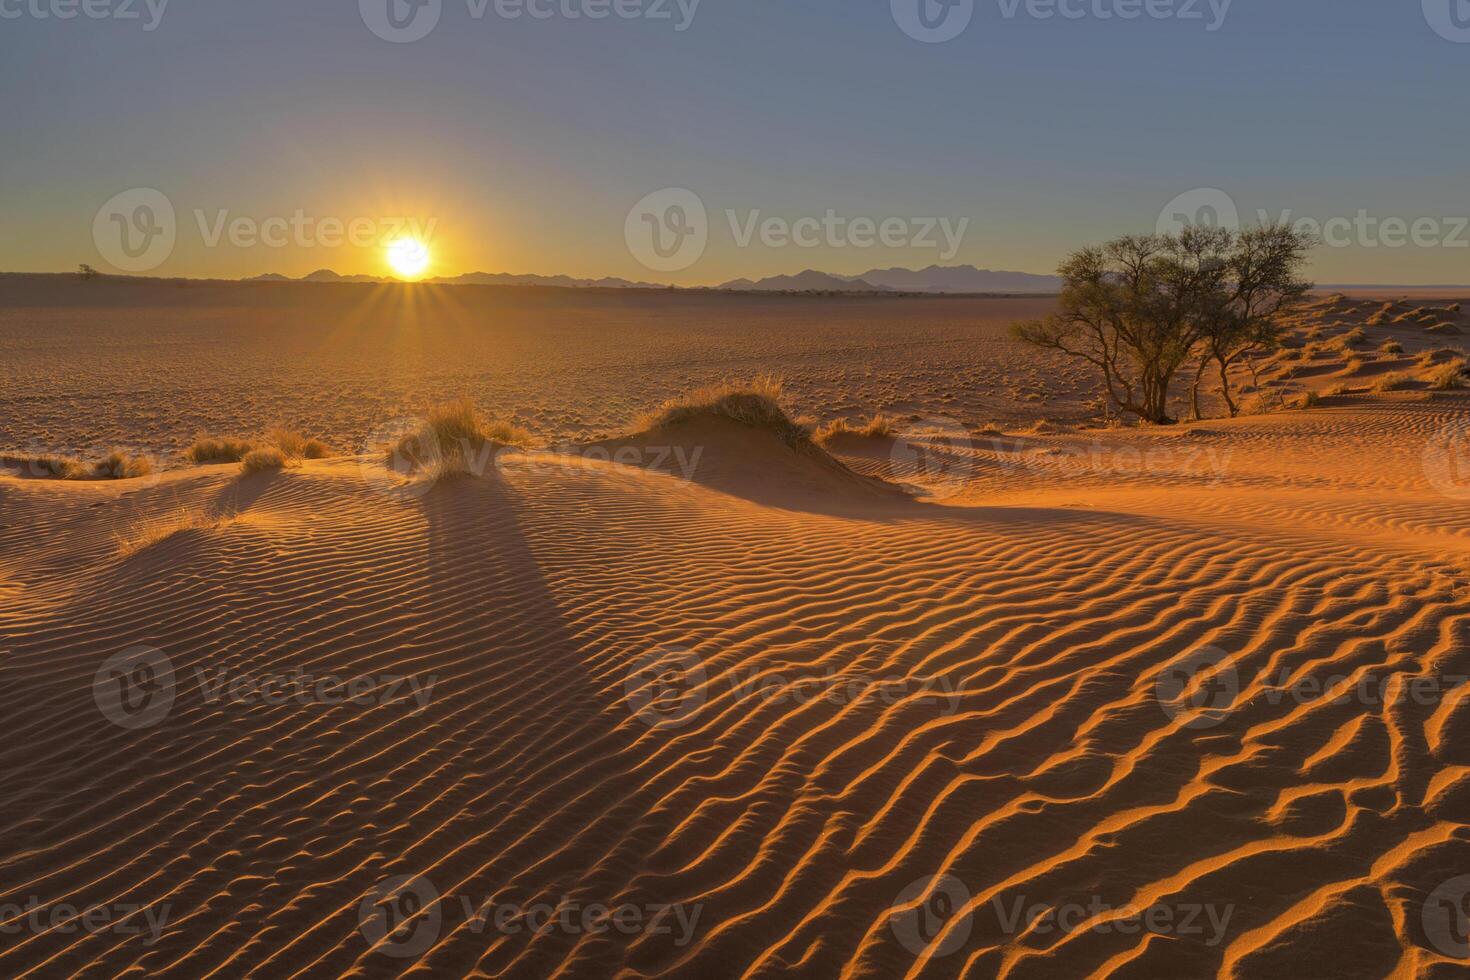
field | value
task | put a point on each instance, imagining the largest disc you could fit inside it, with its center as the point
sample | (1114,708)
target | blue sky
(522,143)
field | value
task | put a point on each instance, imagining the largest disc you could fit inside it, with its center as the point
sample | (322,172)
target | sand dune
(975,729)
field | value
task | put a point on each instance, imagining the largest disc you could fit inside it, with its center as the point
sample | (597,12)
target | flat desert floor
(1007,699)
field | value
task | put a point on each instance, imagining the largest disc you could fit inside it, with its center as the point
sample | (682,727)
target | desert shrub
(1307,399)
(263,460)
(1392,382)
(1443,329)
(1314,333)
(296,446)
(1391,347)
(207,449)
(1332,391)
(1447,377)
(151,530)
(756,404)
(877,427)
(120,466)
(453,438)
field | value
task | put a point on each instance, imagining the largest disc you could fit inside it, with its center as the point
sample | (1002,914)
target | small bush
(1332,391)
(757,404)
(121,466)
(878,427)
(208,450)
(1391,347)
(1392,382)
(1448,377)
(263,460)
(1307,399)
(452,439)
(296,446)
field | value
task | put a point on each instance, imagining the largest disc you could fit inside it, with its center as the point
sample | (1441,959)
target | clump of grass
(1314,333)
(152,530)
(1307,399)
(263,460)
(120,466)
(296,446)
(58,467)
(1443,329)
(452,439)
(1353,365)
(757,404)
(1332,391)
(1448,377)
(1391,347)
(207,450)
(877,427)
(1392,382)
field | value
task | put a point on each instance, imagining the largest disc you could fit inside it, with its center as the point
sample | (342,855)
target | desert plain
(992,687)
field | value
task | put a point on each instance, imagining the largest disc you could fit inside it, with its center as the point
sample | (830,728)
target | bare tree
(1136,308)
(86,272)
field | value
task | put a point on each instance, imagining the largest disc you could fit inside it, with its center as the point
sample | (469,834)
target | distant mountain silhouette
(960,279)
(810,281)
(935,279)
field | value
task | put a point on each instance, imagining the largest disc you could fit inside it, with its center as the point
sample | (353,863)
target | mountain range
(934,279)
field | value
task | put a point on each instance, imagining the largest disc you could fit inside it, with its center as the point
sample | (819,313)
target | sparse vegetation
(1448,377)
(454,438)
(296,446)
(1140,306)
(151,531)
(1391,347)
(1392,382)
(263,460)
(877,427)
(120,466)
(757,404)
(207,450)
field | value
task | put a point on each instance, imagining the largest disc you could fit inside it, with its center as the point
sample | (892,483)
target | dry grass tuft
(1448,377)
(263,460)
(207,450)
(454,438)
(1392,382)
(120,466)
(757,404)
(877,427)
(296,446)
(1391,347)
(151,530)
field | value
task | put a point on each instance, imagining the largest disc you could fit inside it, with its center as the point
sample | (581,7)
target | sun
(409,257)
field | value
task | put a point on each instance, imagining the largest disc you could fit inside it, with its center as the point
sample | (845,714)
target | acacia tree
(1137,308)
(1262,280)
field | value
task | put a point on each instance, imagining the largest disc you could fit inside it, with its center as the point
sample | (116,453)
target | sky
(695,142)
